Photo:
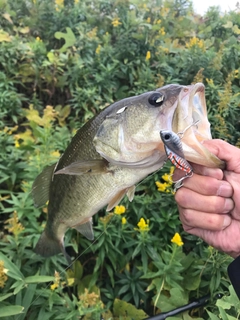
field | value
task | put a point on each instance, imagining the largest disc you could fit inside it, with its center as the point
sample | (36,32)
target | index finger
(225,151)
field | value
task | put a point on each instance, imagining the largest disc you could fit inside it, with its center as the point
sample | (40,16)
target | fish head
(128,134)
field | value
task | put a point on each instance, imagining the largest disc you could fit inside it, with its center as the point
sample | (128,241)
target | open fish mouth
(191,113)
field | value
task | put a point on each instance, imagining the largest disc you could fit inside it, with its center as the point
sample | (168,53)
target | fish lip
(192,107)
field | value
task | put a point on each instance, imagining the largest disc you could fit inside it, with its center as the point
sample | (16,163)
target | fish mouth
(190,121)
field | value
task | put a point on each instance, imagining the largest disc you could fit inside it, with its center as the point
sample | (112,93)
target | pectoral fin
(86,229)
(41,186)
(119,196)
(130,193)
(116,199)
(85,167)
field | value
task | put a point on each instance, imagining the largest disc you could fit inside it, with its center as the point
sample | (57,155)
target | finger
(203,220)
(208,186)
(201,170)
(233,178)
(225,151)
(214,239)
(189,199)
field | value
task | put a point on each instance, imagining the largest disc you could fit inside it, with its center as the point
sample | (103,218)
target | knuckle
(186,217)
(180,196)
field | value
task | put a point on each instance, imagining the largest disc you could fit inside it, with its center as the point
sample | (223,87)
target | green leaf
(223,314)
(191,282)
(186,316)
(212,316)
(229,24)
(39,279)
(4,36)
(10,311)
(123,289)
(12,270)
(51,57)
(235,29)
(5,296)
(226,302)
(127,310)
(69,38)
(27,299)
(177,298)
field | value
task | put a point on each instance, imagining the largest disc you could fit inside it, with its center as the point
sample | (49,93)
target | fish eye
(156,99)
(167,136)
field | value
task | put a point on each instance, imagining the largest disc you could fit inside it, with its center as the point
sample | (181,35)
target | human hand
(209,201)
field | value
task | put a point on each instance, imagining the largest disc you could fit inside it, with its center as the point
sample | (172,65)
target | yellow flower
(162,31)
(98,49)
(116,22)
(148,20)
(92,34)
(158,21)
(119,210)
(172,170)
(76,1)
(148,55)
(17,145)
(105,220)
(195,42)
(38,39)
(177,239)
(145,7)
(13,225)
(161,186)
(124,220)
(59,3)
(143,225)
(167,178)
(209,81)
(53,286)
(3,276)
(55,154)
(56,281)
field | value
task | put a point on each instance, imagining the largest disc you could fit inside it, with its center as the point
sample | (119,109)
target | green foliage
(61,62)
(228,307)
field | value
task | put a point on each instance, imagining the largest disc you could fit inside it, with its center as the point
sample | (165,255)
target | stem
(158,296)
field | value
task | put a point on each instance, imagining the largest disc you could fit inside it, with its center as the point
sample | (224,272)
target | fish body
(174,151)
(111,153)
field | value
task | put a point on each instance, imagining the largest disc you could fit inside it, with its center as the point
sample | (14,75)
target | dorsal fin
(86,229)
(41,186)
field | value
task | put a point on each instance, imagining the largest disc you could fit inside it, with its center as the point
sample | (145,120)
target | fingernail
(226,222)
(229,205)
(224,190)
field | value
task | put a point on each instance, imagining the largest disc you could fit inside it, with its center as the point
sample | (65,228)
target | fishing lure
(174,151)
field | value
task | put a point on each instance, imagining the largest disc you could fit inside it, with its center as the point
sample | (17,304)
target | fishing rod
(200,302)
(194,304)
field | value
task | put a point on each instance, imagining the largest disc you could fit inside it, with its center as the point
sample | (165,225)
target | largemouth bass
(112,152)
